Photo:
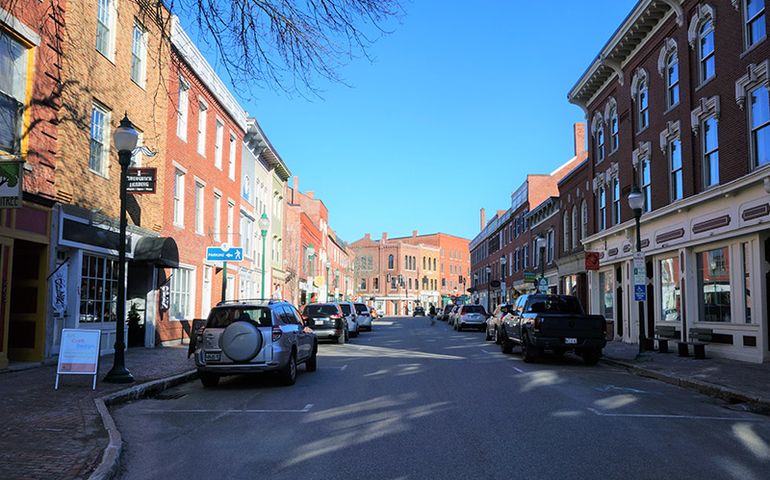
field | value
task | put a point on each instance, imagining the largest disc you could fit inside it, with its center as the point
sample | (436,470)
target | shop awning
(159,251)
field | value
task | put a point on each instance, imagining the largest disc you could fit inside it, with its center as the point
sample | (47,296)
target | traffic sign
(640,269)
(221,254)
(542,285)
(640,293)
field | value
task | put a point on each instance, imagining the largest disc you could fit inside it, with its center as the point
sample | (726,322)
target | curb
(756,404)
(108,466)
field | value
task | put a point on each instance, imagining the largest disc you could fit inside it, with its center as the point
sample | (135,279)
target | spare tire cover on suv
(241,341)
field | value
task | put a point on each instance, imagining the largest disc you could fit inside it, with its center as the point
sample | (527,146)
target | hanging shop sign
(59,284)
(11,183)
(141,180)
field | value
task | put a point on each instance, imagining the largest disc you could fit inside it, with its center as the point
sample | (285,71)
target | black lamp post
(540,243)
(636,202)
(488,270)
(125,138)
(476,285)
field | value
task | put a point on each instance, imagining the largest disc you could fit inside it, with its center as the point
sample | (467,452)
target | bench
(664,334)
(698,339)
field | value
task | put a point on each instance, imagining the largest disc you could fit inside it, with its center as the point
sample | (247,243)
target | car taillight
(335,317)
(276,333)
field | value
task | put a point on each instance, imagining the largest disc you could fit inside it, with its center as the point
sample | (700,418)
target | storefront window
(570,285)
(181,294)
(746,252)
(670,294)
(98,289)
(607,306)
(714,285)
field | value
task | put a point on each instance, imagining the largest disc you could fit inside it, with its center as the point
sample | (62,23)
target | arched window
(601,221)
(434,264)
(583,220)
(390,262)
(614,140)
(423,263)
(600,144)
(643,105)
(706,50)
(672,79)
(574,227)
(565,232)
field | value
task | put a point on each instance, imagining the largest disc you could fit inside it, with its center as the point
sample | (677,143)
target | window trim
(106,137)
(111,30)
(704,153)
(673,197)
(746,21)
(142,81)
(750,128)
(181,130)
(178,203)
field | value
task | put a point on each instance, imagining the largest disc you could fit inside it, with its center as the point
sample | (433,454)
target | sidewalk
(731,380)
(58,434)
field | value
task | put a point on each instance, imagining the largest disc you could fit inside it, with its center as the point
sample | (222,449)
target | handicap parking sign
(640,293)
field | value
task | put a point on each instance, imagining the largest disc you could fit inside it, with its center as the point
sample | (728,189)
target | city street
(411,401)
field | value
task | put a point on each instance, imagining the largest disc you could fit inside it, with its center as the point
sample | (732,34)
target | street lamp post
(503,261)
(264,224)
(540,243)
(488,269)
(328,266)
(475,285)
(125,137)
(311,267)
(636,202)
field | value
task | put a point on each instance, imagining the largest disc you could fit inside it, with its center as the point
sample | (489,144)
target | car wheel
(497,336)
(209,380)
(289,372)
(311,365)
(487,335)
(506,345)
(528,352)
(591,357)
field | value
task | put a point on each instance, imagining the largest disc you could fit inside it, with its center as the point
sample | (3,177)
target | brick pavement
(50,434)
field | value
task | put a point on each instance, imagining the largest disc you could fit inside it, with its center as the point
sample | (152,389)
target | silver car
(349,312)
(250,337)
(471,316)
(364,317)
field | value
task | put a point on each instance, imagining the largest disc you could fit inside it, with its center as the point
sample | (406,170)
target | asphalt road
(414,401)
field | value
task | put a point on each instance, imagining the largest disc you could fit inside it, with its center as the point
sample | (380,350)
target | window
(13,92)
(675,163)
(181,299)
(375,283)
(99,147)
(217,216)
(574,227)
(643,106)
(646,185)
(565,232)
(138,54)
(390,262)
(247,235)
(607,295)
(670,293)
(202,128)
(199,208)
(516,260)
(600,144)
(231,165)
(549,242)
(179,198)
(616,201)
(526,257)
(583,220)
(754,16)
(714,285)
(760,126)
(363,284)
(672,80)
(614,141)
(219,138)
(710,144)
(182,109)
(105,33)
(602,219)
(230,213)
(706,50)
(98,289)
(746,254)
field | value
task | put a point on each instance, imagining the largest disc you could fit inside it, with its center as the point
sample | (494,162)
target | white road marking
(608,388)
(307,408)
(672,416)
(519,370)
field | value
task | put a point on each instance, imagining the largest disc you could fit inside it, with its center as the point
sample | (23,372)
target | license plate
(570,341)
(213,357)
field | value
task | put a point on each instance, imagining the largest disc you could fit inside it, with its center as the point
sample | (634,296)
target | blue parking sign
(640,293)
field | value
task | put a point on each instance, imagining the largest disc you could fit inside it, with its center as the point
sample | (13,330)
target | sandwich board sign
(79,353)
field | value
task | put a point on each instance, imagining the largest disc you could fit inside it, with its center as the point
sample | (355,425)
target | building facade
(677,103)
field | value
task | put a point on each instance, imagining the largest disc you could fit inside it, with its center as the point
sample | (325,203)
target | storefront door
(26,326)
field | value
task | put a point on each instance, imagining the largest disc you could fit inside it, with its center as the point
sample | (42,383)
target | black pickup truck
(556,323)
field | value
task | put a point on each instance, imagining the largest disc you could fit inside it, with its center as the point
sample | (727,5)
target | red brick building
(677,103)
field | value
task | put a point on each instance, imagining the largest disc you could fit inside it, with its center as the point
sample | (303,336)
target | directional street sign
(219,254)
(542,285)
(640,293)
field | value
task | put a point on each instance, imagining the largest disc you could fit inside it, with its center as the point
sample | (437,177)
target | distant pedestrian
(432,314)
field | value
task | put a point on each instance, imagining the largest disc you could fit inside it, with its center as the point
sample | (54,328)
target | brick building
(29,99)
(677,103)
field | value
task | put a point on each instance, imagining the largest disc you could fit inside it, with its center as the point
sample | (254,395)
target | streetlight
(540,244)
(503,261)
(328,266)
(636,202)
(488,269)
(310,258)
(125,137)
(264,224)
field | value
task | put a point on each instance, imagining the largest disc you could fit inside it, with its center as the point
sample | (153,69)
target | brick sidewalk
(58,434)
(729,379)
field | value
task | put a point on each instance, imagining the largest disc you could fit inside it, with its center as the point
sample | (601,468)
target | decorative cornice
(756,75)
(615,66)
(639,75)
(676,6)
(671,132)
(642,153)
(669,46)
(703,12)
(707,107)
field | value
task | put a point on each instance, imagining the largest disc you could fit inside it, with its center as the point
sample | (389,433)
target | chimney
(579,135)
(310,195)
(367,236)
(296,189)
(483,219)
(414,233)
(384,236)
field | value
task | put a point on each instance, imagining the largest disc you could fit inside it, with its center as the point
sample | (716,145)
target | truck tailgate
(573,326)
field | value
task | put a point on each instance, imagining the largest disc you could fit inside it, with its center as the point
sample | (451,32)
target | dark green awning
(159,251)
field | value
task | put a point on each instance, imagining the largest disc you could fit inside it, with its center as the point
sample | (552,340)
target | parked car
(444,312)
(453,315)
(418,311)
(553,322)
(327,320)
(470,316)
(364,316)
(250,337)
(349,312)
(494,323)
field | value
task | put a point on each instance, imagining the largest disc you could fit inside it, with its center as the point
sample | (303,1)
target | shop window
(746,254)
(670,293)
(607,300)
(98,289)
(714,287)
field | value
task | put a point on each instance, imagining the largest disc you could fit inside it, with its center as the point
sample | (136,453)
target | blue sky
(458,106)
